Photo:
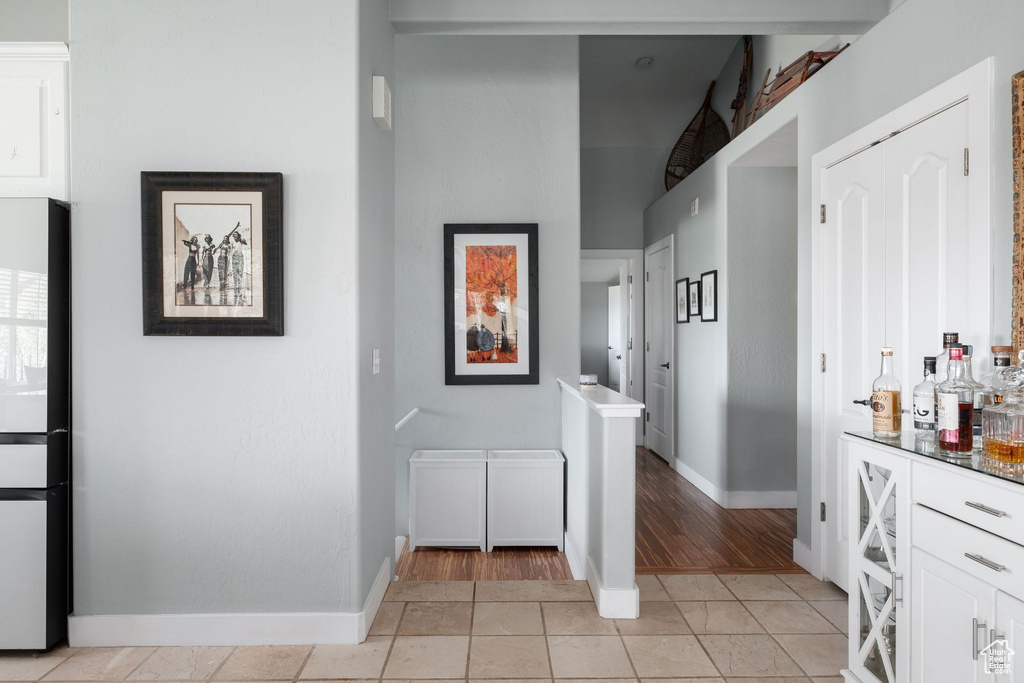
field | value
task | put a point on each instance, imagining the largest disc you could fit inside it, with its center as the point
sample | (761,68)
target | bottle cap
(1002,349)
(886,351)
(968,351)
(949,338)
(956,353)
(929,364)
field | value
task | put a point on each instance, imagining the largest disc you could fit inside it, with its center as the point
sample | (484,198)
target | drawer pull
(986,509)
(988,563)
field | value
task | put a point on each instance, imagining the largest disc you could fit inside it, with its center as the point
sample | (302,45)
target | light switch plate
(376,361)
(694,206)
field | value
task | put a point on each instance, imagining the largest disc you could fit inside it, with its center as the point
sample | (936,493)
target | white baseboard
(399,547)
(297,628)
(373,600)
(736,500)
(613,603)
(807,559)
(573,558)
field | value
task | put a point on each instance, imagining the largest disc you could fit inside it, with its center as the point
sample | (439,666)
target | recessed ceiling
(623,106)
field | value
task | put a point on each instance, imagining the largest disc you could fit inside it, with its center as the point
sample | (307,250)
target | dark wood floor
(502,564)
(679,530)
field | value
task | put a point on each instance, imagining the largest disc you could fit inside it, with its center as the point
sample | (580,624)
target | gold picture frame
(1017,326)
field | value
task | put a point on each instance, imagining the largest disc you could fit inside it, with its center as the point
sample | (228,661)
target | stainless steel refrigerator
(35,423)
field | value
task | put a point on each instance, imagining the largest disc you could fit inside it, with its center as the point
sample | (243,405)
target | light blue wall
(487,130)
(616,185)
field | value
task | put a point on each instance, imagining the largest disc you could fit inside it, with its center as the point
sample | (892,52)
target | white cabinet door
(952,614)
(898,262)
(933,284)
(853,252)
(1010,626)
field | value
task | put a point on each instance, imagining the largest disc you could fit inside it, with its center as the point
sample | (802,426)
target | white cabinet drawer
(23,466)
(986,556)
(993,506)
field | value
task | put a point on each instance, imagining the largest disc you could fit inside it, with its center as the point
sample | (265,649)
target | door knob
(664,365)
(609,348)
(618,357)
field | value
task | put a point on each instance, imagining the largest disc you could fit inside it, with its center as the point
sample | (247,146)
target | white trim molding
(193,630)
(806,558)
(613,603)
(735,500)
(573,558)
(34,52)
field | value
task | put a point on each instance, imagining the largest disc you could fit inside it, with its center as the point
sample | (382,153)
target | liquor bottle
(1004,426)
(949,340)
(981,393)
(924,400)
(955,398)
(886,407)
(997,379)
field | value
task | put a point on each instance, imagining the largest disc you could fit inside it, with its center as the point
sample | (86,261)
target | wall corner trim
(806,558)
(573,558)
(194,630)
(34,52)
(613,603)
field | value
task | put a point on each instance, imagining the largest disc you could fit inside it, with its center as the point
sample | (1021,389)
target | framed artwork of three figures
(211,254)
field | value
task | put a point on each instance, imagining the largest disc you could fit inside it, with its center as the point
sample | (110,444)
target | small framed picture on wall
(709,296)
(694,298)
(682,307)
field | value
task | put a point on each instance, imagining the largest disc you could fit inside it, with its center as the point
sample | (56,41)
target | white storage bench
(447,494)
(525,498)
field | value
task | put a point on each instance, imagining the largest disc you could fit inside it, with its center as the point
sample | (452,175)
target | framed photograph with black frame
(211,254)
(491,332)
(693,295)
(709,296)
(682,309)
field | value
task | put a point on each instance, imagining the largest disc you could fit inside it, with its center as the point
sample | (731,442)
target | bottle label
(924,412)
(885,411)
(949,412)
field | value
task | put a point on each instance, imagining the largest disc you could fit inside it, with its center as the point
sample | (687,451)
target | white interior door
(614,338)
(853,256)
(659,306)
(895,272)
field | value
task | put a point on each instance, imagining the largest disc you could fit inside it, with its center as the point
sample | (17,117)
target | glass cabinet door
(878,481)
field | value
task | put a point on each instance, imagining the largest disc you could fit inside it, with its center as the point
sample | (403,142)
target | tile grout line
(547,644)
(776,640)
(144,660)
(394,639)
(224,661)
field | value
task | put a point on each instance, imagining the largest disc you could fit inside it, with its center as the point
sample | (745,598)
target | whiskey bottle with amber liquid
(886,406)
(1004,429)
(955,399)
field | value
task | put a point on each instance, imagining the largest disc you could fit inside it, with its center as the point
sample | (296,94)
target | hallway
(679,530)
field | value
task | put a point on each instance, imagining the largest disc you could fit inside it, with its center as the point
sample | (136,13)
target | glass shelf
(925,447)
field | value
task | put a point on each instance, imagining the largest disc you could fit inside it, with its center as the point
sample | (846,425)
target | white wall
(761,407)
(864,83)
(489,132)
(594,330)
(376,287)
(34,21)
(616,185)
(219,474)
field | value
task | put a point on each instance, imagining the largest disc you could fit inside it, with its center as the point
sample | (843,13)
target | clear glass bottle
(981,393)
(1004,448)
(955,399)
(1001,372)
(924,400)
(949,340)
(886,407)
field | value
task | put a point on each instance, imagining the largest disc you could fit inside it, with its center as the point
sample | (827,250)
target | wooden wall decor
(1018,212)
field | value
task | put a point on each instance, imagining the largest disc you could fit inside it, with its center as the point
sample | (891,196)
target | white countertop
(601,399)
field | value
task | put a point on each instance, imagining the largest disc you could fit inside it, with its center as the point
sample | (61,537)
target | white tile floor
(692,629)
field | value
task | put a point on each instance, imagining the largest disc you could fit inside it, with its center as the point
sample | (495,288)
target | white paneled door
(659,320)
(894,234)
